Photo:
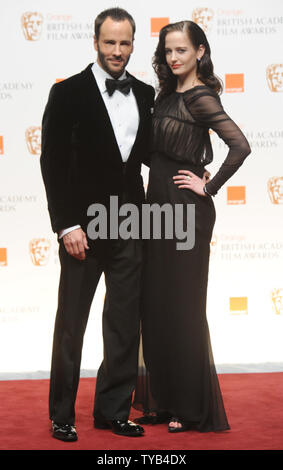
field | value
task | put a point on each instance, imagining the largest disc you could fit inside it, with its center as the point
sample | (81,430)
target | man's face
(114,46)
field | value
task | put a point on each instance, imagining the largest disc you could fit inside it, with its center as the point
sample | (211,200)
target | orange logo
(277,299)
(234,82)
(274,76)
(239,305)
(32,25)
(213,244)
(275,189)
(59,80)
(33,140)
(3,257)
(236,195)
(203,17)
(157,24)
(1,145)
(39,249)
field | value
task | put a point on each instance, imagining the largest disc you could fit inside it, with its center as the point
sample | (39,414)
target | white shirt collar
(100,75)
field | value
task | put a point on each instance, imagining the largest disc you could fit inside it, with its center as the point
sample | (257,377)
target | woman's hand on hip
(188,180)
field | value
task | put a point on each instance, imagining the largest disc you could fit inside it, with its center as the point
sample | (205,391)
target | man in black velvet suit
(94,139)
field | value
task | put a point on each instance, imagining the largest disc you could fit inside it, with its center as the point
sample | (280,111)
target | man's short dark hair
(116,14)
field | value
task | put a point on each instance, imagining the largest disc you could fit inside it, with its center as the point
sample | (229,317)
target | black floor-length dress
(178,373)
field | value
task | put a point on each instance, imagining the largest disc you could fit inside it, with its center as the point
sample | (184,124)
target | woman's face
(181,56)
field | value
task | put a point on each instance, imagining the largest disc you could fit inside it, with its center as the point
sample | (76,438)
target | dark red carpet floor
(254,405)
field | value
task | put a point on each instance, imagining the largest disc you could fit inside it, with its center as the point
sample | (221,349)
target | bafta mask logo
(32,25)
(275,189)
(39,249)
(277,299)
(274,76)
(203,17)
(3,257)
(33,140)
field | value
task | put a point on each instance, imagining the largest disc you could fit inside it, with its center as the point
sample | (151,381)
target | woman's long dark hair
(167,80)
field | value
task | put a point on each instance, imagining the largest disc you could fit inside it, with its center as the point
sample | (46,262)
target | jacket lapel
(97,111)
(142,108)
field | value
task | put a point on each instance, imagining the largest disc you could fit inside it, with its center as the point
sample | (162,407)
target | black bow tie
(122,85)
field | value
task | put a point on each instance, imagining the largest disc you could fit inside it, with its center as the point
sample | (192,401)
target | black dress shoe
(64,432)
(120,427)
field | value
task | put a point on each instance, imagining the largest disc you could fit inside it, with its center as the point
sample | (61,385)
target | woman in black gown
(178,379)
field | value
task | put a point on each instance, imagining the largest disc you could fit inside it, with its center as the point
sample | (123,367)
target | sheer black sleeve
(207,110)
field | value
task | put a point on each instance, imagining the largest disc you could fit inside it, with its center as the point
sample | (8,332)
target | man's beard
(105,67)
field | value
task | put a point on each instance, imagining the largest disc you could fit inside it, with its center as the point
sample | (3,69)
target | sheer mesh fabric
(181,131)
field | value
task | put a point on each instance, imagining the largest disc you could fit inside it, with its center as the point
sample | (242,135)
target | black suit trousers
(120,260)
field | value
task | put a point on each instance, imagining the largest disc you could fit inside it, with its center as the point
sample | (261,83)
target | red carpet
(254,405)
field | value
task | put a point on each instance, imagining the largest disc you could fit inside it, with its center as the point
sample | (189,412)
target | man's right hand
(76,243)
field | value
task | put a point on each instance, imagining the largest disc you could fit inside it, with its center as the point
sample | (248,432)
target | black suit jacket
(80,161)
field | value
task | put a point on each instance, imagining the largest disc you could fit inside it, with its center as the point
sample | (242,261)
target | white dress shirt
(124,116)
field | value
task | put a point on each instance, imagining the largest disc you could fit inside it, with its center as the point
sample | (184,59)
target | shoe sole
(65,439)
(174,430)
(127,434)
(107,426)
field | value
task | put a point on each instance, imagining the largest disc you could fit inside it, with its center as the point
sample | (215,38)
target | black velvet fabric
(81,163)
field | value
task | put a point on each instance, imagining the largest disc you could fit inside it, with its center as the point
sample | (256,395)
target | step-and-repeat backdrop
(46,41)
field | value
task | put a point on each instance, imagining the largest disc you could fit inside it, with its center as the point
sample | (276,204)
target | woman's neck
(184,84)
